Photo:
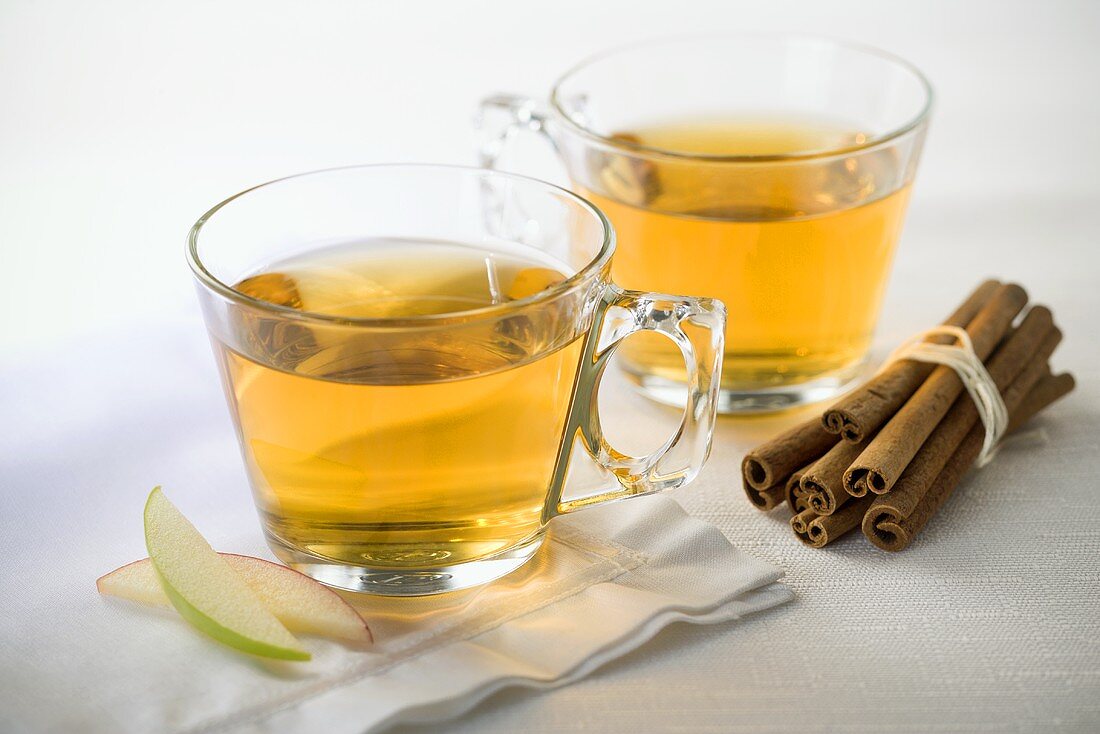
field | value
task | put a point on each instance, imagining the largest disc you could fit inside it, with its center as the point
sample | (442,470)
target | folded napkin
(608,580)
(85,442)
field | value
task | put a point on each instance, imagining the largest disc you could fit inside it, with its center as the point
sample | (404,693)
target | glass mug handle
(620,314)
(677,461)
(500,117)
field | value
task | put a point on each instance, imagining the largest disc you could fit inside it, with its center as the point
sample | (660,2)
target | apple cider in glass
(367,453)
(799,253)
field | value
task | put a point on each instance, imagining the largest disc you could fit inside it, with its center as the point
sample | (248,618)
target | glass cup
(415,453)
(769,171)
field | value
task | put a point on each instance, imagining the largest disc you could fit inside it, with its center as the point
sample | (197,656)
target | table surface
(124,120)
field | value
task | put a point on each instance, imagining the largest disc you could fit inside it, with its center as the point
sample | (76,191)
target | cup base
(757,400)
(405,581)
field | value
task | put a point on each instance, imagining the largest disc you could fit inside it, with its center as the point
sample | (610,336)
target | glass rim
(205,277)
(909,126)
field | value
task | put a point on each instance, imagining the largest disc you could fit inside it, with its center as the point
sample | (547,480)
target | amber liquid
(406,448)
(799,253)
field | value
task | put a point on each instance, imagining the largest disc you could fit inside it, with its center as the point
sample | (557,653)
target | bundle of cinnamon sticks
(887,455)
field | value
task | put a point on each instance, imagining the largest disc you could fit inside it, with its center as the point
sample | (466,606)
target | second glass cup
(769,171)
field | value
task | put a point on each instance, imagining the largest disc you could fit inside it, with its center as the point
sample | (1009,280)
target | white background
(121,122)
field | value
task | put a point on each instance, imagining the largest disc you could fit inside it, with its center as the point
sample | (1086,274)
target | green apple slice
(206,591)
(303,605)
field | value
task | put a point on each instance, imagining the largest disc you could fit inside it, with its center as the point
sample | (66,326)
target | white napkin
(86,434)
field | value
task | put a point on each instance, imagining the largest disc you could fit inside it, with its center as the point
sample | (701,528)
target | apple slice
(206,591)
(300,603)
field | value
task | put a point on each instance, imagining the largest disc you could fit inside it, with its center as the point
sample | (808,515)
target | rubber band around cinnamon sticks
(976,380)
(863,411)
(880,465)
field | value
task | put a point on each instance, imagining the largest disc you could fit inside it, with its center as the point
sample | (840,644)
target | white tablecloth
(989,622)
(125,120)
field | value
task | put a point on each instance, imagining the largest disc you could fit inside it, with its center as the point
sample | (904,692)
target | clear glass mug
(419,454)
(769,171)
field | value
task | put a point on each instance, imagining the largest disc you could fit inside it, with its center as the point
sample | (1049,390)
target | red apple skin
(366,628)
(366,638)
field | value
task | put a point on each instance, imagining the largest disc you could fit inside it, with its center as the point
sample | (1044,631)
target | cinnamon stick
(1049,389)
(769,464)
(767,498)
(820,530)
(800,522)
(796,498)
(880,465)
(823,482)
(863,411)
(1020,363)
(892,522)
